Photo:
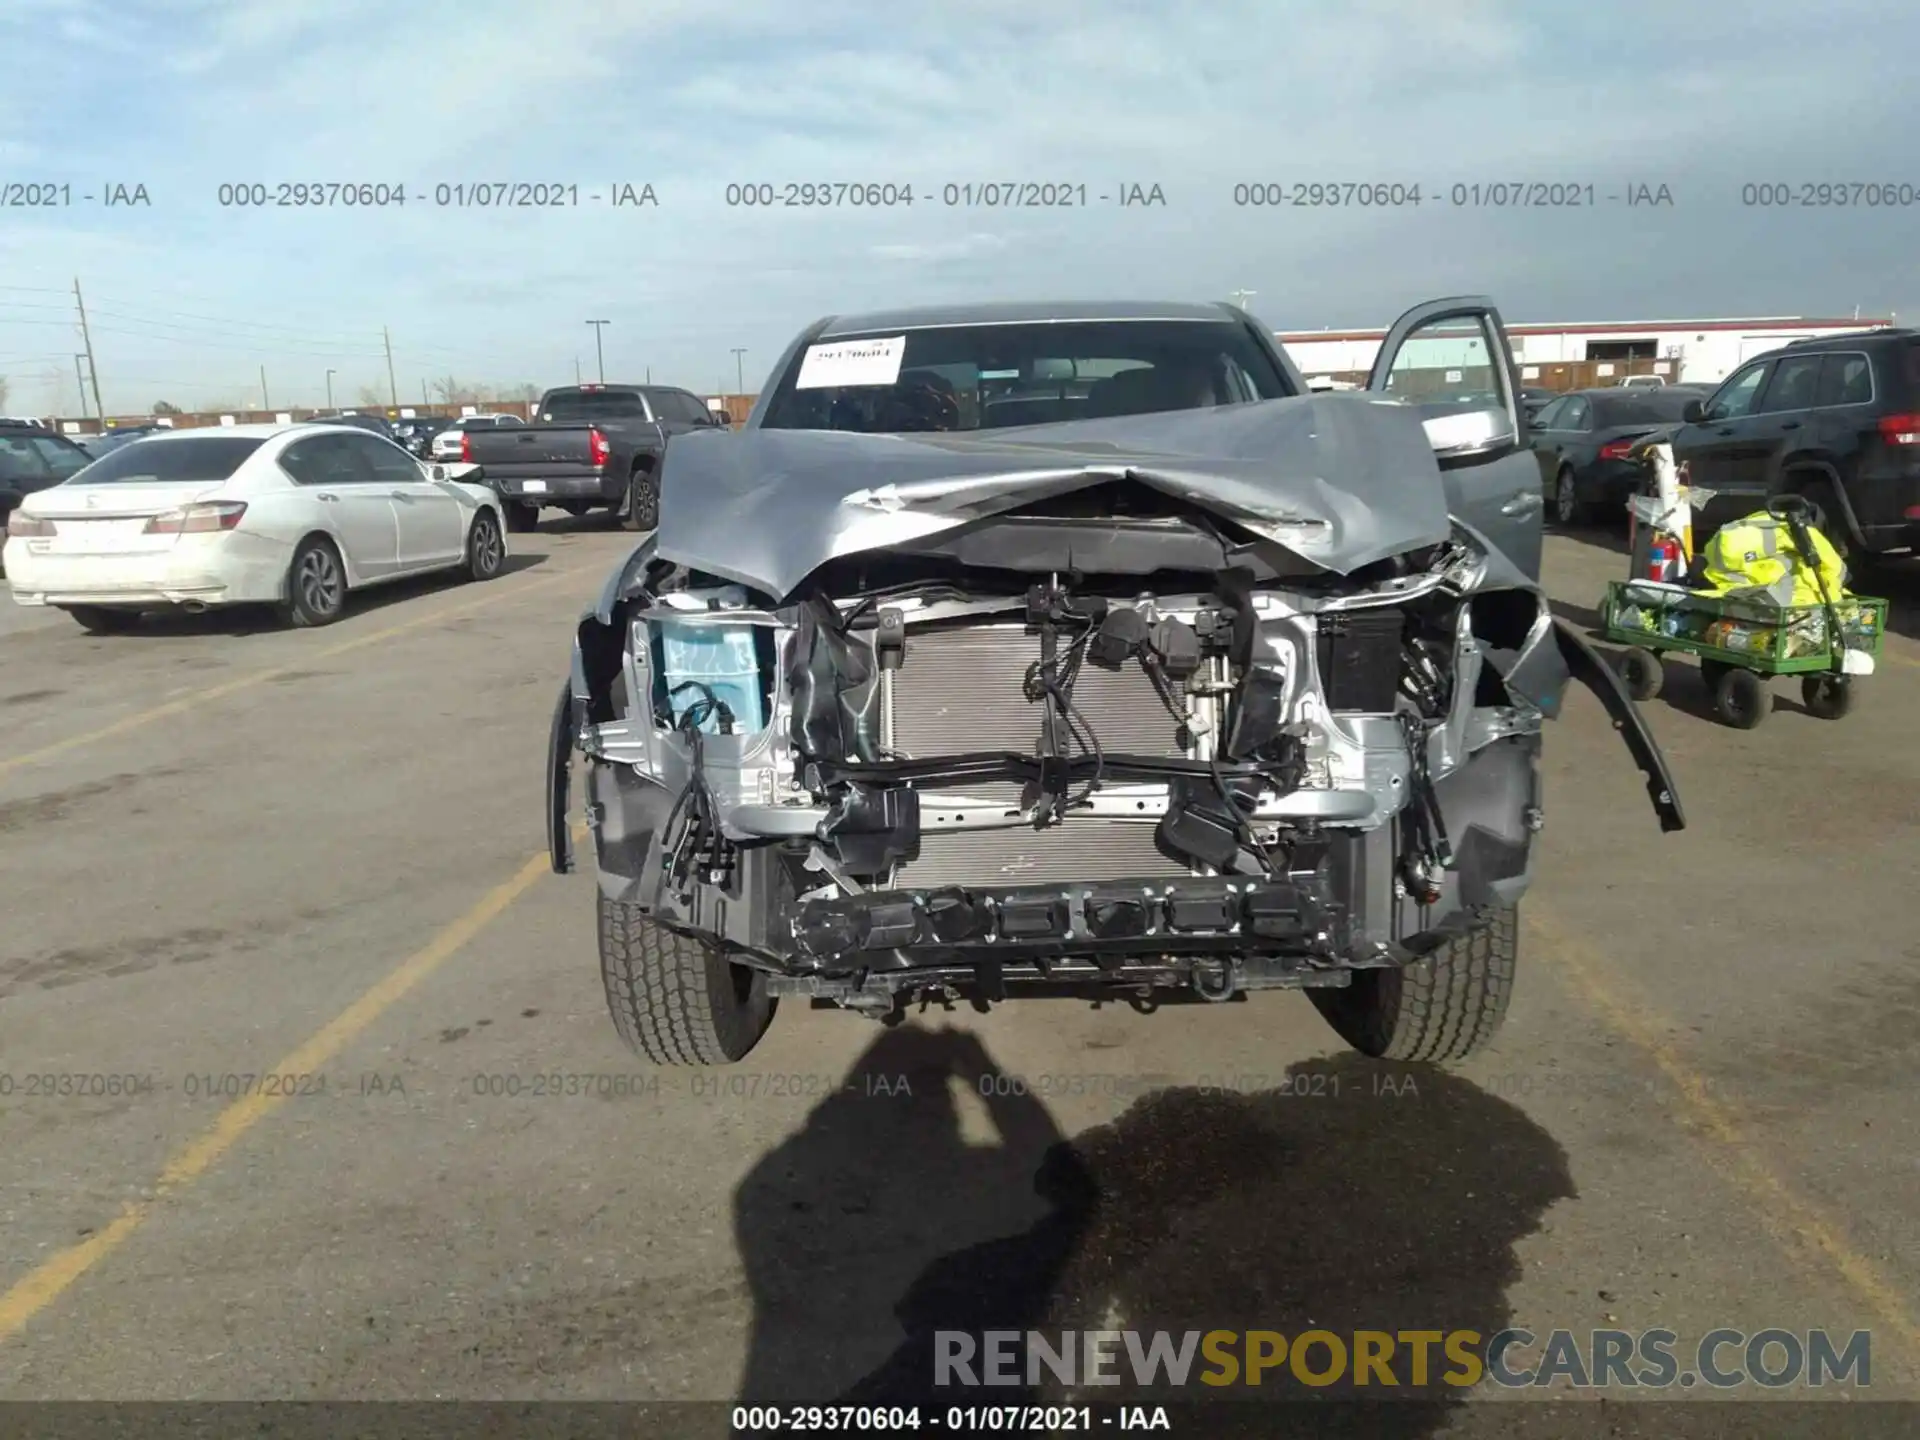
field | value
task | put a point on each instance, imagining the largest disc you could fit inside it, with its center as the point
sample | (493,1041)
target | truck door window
(1447,364)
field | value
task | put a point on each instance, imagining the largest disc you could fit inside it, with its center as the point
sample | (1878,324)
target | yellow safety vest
(1755,557)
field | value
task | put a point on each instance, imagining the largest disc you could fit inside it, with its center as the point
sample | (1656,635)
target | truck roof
(1023,312)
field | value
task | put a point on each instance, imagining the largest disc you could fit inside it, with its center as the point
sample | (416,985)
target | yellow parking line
(1734,1153)
(54,1276)
(494,596)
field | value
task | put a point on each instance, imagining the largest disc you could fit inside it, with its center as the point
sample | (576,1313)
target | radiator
(963,690)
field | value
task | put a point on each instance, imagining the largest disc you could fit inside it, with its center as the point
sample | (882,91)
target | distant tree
(3,392)
(368,395)
(520,394)
(164,407)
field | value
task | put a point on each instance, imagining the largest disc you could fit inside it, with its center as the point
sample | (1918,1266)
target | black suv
(1835,419)
(33,458)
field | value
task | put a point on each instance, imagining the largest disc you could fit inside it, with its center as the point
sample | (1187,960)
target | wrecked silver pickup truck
(1080,650)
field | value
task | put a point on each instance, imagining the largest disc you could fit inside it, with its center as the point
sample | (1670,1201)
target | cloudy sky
(189,299)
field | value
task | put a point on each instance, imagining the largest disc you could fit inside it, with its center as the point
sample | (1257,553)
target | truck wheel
(1741,698)
(522,518)
(1827,696)
(642,511)
(104,619)
(1444,1007)
(1642,673)
(676,1000)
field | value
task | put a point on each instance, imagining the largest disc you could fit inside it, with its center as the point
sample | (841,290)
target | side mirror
(438,472)
(1473,432)
(723,417)
(1694,411)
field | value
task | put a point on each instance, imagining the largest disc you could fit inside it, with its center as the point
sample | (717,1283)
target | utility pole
(576,369)
(649,374)
(739,369)
(598,327)
(330,375)
(393,388)
(81,385)
(93,371)
(265,403)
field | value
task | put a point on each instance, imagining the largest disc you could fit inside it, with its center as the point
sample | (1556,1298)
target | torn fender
(559,782)
(1590,670)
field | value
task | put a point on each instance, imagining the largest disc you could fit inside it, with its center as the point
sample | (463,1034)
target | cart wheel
(1827,696)
(1642,672)
(1741,698)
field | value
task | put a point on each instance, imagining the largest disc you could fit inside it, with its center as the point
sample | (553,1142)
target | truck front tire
(676,1000)
(1445,1007)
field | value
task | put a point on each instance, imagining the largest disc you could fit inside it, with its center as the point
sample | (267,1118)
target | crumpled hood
(1342,480)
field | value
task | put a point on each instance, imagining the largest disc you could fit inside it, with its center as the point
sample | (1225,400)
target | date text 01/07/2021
(461,195)
(1461,195)
(950,194)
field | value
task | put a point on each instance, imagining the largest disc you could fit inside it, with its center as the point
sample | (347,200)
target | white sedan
(289,515)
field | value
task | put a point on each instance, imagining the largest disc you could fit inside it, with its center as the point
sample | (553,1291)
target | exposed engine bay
(1098,737)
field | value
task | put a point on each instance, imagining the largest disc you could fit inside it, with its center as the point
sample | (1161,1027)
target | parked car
(1533,399)
(1834,419)
(107,441)
(446,439)
(414,433)
(359,420)
(290,515)
(1641,382)
(1175,692)
(593,447)
(1584,442)
(32,459)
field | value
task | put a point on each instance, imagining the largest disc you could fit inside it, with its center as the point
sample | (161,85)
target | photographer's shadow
(1360,1196)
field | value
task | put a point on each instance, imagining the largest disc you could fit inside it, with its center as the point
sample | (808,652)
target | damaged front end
(1107,739)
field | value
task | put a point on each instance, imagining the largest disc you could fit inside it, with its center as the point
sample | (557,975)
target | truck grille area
(1080,849)
(960,691)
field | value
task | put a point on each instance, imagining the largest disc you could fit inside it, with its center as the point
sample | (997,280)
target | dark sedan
(374,424)
(1582,441)
(415,433)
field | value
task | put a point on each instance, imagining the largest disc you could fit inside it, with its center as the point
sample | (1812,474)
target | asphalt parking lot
(237,851)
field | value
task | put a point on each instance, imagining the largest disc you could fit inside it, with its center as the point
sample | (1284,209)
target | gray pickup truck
(1080,650)
(592,447)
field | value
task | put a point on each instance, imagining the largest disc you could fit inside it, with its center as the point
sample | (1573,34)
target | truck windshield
(594,405)
(989,377)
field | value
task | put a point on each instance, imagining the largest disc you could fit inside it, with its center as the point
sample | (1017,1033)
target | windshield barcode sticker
(852,362)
